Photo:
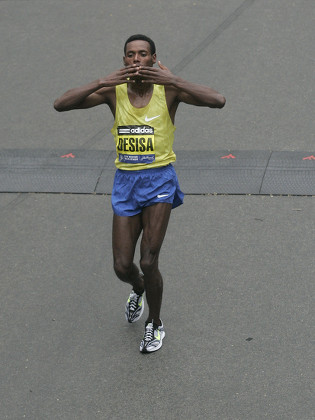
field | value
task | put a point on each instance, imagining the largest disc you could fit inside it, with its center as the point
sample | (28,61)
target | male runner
(143,100)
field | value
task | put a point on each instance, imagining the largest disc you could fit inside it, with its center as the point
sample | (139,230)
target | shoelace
(149,332)
(133,302)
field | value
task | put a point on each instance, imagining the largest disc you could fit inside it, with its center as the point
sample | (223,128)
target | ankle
(139,292)
(156,322)
(139,286)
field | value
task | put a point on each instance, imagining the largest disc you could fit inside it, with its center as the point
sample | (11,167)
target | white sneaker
(134,307)
(153,337)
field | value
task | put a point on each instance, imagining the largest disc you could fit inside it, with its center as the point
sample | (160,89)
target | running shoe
(152,339)
(134,307)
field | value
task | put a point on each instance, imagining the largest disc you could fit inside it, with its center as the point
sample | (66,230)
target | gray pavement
(239,270)
(262,61)
(238,312)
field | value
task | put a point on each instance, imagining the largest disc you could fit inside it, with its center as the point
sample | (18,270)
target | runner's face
(139,53)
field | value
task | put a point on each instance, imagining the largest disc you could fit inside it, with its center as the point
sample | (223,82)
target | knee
(149,263)
(122,269)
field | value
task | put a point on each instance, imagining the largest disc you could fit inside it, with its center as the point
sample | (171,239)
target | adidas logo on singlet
(135,129)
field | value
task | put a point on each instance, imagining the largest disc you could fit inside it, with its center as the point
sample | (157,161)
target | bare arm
(95,93)
(187,92)
(82,97)
(199,95)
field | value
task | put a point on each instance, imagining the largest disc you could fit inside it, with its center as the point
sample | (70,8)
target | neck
(140,89)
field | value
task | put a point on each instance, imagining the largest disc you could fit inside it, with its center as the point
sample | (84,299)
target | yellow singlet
(144,136)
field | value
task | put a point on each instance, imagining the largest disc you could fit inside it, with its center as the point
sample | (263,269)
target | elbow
(57,106)
(218,101)
(221,101)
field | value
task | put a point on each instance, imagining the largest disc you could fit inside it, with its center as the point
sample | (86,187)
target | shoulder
(172,100)
(108,94)
(172,95)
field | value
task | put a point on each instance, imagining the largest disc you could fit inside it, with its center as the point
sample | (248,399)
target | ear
(124,61)
(154,58)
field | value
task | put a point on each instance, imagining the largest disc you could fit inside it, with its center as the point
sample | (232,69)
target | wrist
(177,82)
(100,83)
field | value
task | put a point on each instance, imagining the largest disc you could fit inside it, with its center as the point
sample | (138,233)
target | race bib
(135,144)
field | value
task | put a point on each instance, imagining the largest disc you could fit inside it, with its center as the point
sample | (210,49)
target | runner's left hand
(158,75)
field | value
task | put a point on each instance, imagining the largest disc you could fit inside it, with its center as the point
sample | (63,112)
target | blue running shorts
(134,190)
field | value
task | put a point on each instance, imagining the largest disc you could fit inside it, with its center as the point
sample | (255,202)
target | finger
(130,66)
(150,82)
(130,70)
(149,68)
(148,71)
(162,66)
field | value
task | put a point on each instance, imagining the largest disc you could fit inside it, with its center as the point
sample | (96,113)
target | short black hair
(141,38)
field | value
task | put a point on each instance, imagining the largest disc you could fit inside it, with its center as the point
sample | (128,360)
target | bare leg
(154,223)
(126,232)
